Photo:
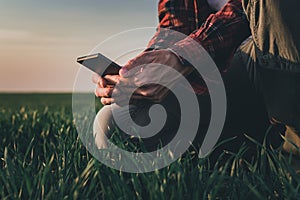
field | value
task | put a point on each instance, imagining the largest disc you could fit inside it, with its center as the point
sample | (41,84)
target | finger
(104,92)
(153,93)
(99,80)
(102,82)
(107,101)
(112,79)
(95,78)
(161,95)
(119,101)
(131,70)
(123,71)
(148,90)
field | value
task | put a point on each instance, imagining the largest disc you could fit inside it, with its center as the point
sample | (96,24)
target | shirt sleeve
(184,16)
(220,35)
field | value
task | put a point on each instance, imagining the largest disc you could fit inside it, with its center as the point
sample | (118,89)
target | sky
(40,40)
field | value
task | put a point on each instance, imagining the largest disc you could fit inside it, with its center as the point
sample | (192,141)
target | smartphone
(100,64)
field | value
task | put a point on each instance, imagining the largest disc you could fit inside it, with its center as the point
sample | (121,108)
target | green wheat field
(42,157)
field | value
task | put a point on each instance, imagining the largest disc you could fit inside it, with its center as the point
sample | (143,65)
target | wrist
(182,60)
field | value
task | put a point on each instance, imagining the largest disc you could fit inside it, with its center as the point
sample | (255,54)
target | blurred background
(40,40)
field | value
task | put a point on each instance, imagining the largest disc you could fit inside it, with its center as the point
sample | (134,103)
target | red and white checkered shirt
(219,33)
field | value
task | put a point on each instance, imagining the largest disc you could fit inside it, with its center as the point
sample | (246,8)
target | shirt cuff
(190,52)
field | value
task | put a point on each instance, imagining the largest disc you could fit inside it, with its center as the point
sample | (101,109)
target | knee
(102,126)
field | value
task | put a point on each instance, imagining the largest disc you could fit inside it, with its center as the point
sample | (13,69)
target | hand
(151,67)
(105,87)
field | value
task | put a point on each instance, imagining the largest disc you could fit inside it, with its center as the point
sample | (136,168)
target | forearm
(220,35)
(177,19)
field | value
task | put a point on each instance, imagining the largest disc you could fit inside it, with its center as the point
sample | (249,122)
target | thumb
(130,69)
(123,72)
(136,64)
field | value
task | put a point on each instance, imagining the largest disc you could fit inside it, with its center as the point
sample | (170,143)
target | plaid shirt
(219,33)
